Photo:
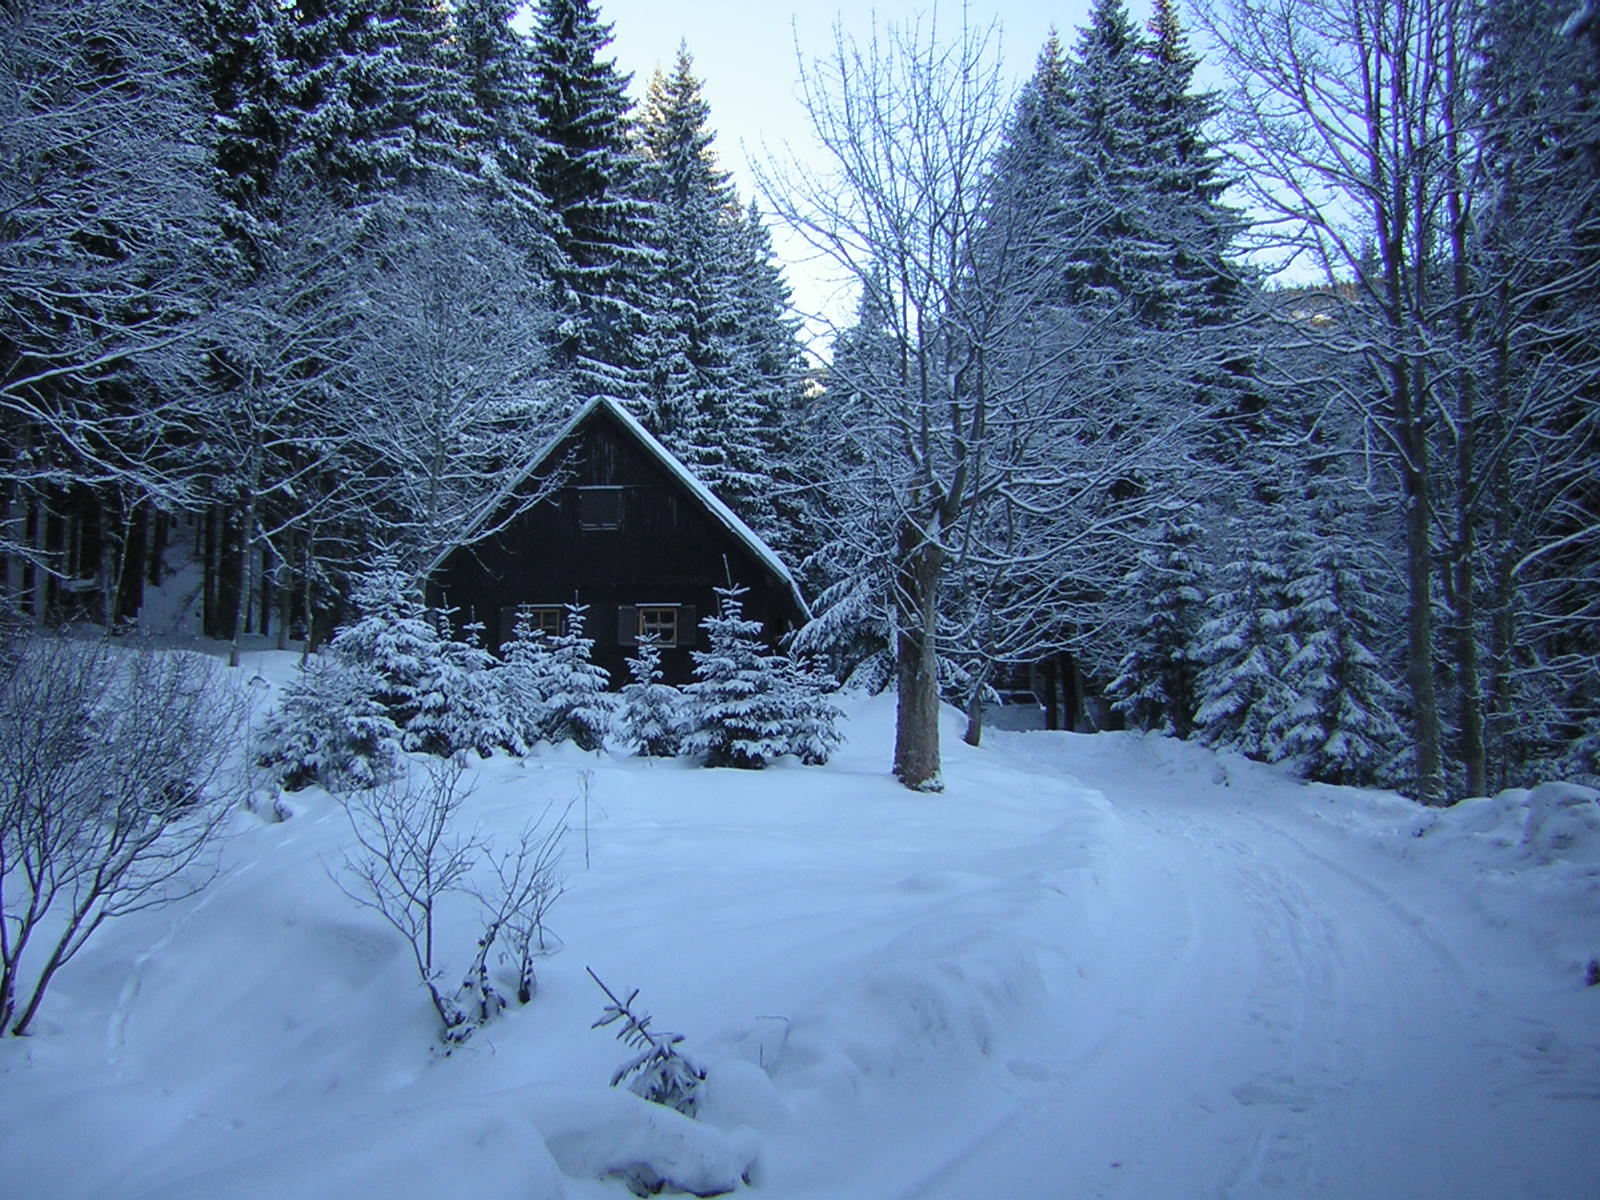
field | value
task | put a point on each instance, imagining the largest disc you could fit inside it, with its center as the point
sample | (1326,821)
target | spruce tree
(577,705)
(497,68)
(377,102)
(650,713)
(1341,724)
(725,352)
(738,704)
(592,177)
(522,675)
(392,637)
(1155,683)
(1244,652)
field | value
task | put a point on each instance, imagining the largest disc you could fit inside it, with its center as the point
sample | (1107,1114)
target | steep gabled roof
(674,466)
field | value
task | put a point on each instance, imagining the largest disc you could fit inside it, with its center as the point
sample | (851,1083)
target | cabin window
(599,508)
(663,622)
(673,624)
(544,619)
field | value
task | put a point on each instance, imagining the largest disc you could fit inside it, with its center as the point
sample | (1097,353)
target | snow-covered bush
(329,728)
(577,705)
(649,718)
(411,856)
(115,780)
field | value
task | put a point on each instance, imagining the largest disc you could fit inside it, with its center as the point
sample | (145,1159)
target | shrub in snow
(329,728)
(659,1071)
(740,700)
(112,792)
(649,718)
(411,857)
(577,705)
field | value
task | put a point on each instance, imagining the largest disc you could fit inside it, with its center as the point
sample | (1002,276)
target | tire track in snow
(1272,1022)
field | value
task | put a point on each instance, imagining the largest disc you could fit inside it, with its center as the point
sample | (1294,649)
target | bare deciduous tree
(967,402)
(113,788)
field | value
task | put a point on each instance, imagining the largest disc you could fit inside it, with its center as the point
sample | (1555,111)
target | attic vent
(599,508)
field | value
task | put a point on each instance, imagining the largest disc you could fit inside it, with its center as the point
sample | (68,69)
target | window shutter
(508,623)
(688,631)
(627,625)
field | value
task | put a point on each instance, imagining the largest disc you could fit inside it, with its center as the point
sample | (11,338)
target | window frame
(645,614)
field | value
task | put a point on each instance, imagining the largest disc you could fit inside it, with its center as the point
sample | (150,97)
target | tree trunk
(1419,598)
(916,740)
(974,731)
(1052,694)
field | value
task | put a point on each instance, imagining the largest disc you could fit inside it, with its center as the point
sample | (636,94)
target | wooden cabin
(628,531)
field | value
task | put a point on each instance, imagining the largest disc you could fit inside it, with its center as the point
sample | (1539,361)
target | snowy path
(1278,1022)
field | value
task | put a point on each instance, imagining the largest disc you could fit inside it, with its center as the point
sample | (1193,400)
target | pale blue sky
(745,53)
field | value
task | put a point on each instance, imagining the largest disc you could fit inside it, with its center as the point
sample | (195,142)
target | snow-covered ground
(1094,966)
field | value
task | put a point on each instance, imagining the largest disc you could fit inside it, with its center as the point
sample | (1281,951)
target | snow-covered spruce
(737,703)
(329,728)
(1244,651)
(577,705)
(458,700)
(520,678)
(649,717)
(811,727)
(391,636)
(1155,683)
(658,1071)
(1342,725)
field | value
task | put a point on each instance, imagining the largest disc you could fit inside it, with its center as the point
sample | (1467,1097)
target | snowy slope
(1096,966)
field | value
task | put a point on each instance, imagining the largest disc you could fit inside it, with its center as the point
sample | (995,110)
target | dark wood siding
(666,549)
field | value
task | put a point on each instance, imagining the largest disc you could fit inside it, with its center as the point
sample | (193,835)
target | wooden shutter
(688,631)
(627,625)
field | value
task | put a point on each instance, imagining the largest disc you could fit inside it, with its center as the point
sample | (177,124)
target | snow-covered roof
(765,554)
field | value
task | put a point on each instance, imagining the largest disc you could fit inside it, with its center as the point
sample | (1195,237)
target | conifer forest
(1252,398)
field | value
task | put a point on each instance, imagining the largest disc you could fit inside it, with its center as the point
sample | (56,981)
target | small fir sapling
(659,1071)
(650,716)
(391,636)
(328,728)
(812,727)
(457,698)
(577,705)
(738,705)
(521,679)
